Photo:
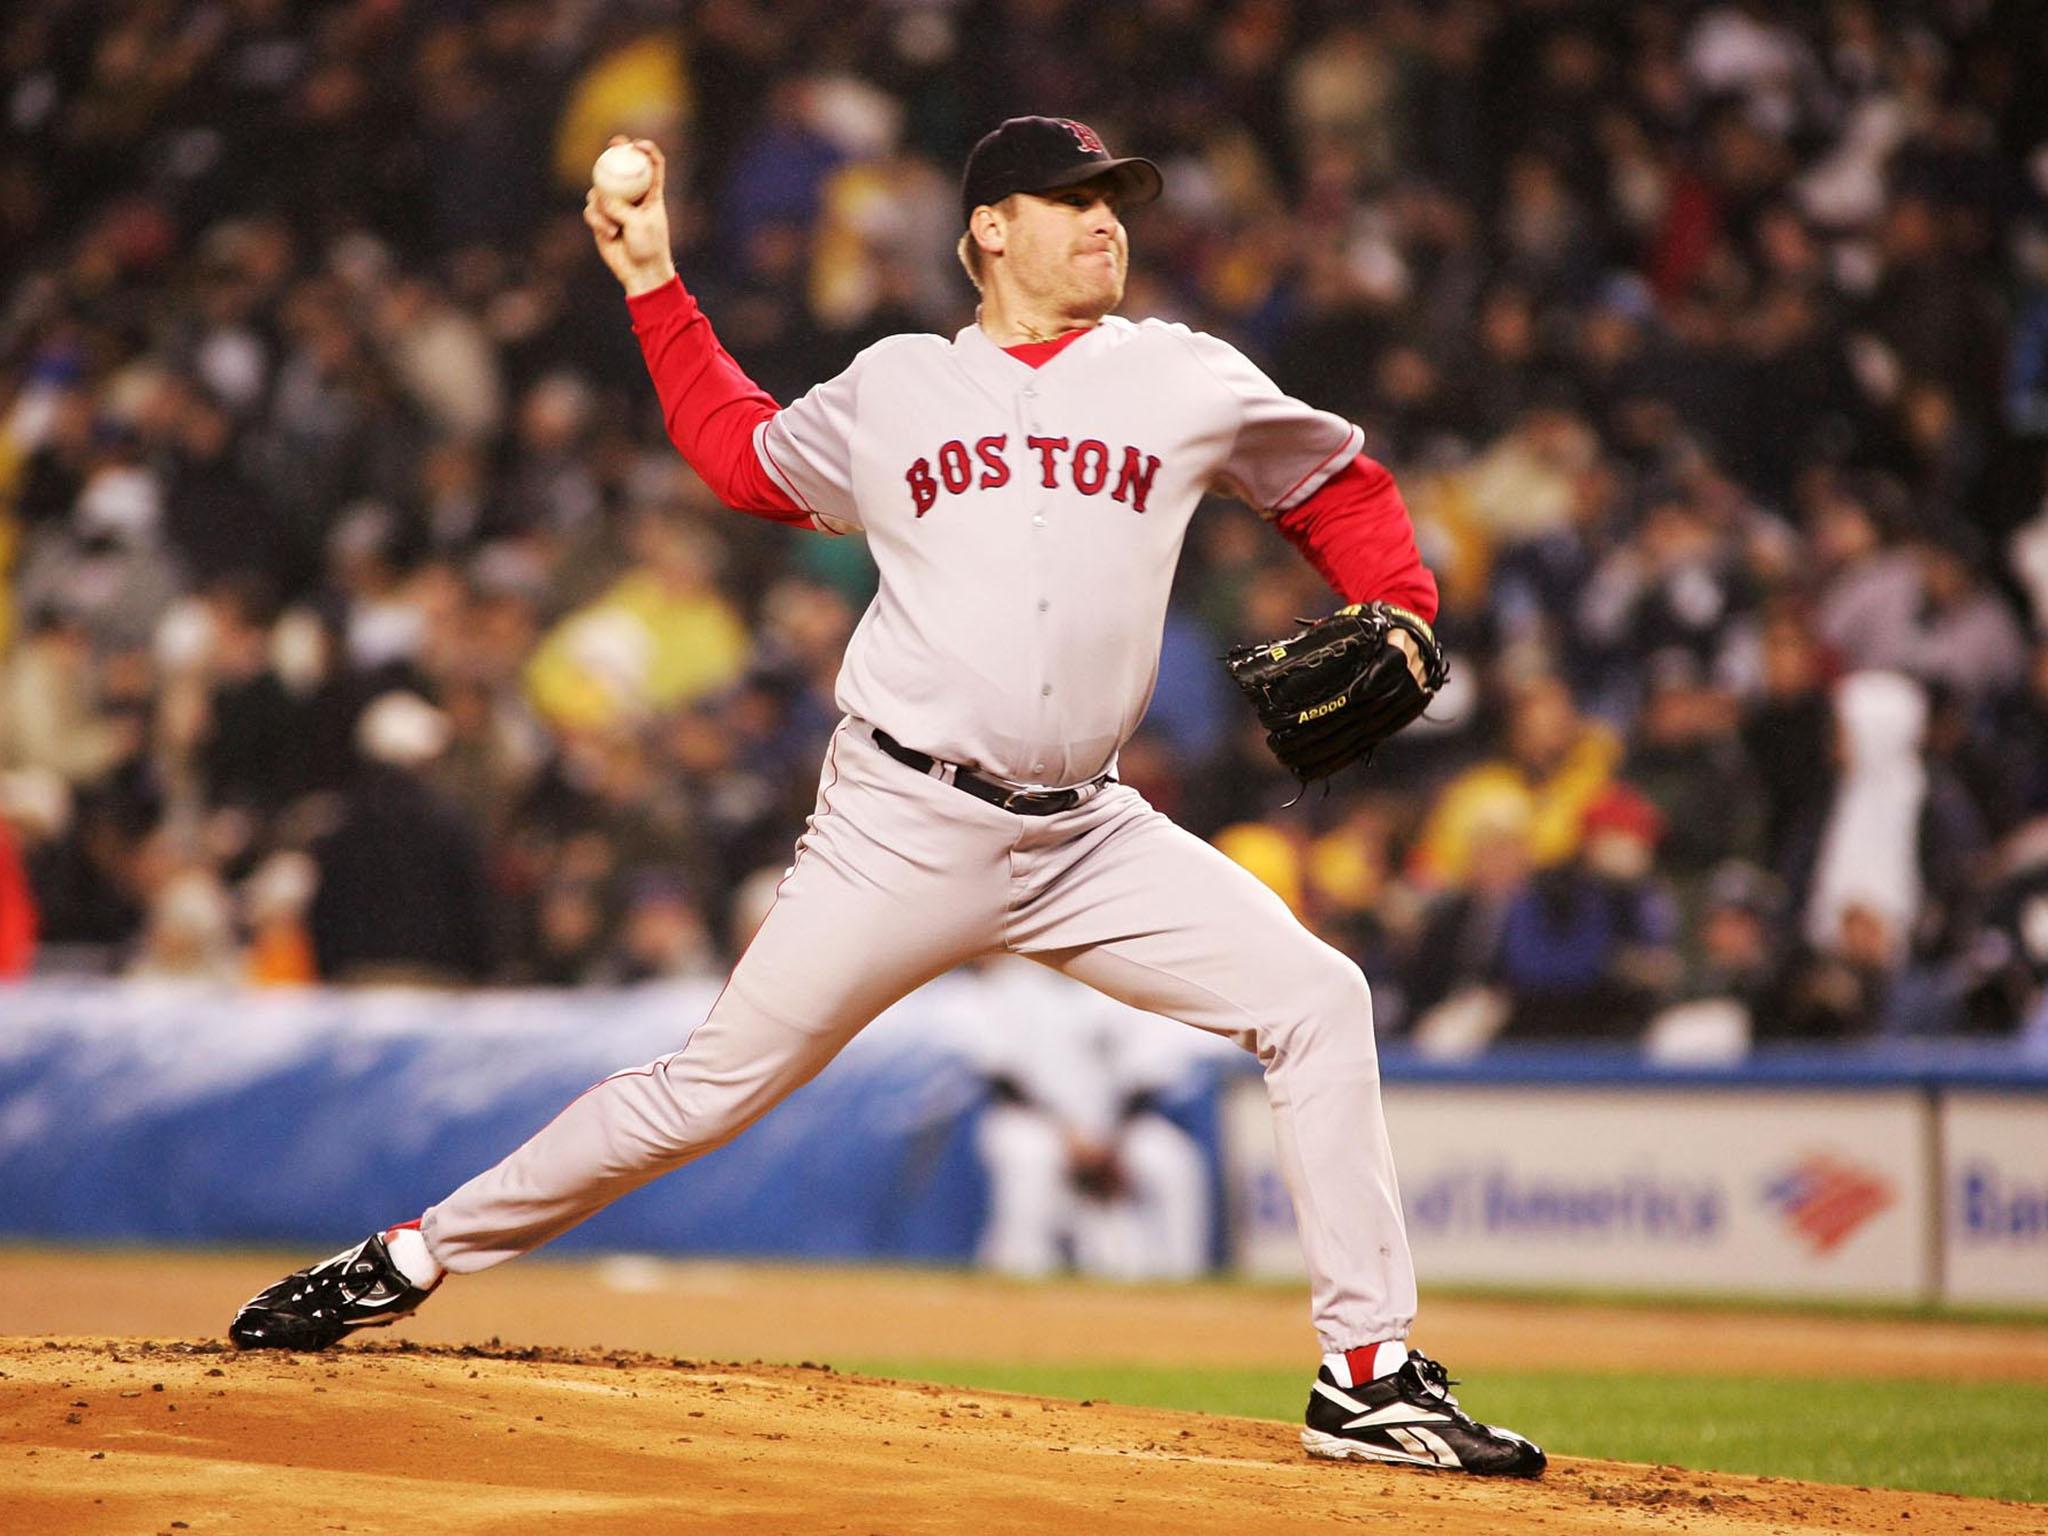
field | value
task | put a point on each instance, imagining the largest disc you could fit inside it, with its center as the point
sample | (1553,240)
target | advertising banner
(1761,1192)
(1995,1168)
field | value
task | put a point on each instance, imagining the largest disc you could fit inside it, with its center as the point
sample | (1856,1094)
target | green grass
(1983,1439)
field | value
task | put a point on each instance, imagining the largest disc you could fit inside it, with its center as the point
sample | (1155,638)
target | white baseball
(623,171)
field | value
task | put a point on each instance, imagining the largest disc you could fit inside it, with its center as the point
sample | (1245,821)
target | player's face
(1067,251)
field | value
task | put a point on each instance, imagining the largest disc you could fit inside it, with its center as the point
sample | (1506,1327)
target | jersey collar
(1036,354)
(979,350)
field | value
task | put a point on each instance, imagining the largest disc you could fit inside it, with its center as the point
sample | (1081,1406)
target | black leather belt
(1022,802)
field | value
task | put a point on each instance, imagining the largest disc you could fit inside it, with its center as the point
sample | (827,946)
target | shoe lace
(372,1279)
(348,1283)
(1431,1377)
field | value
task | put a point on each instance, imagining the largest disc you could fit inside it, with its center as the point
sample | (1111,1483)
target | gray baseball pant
(898,878)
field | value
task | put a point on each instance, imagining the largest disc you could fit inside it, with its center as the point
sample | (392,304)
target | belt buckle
(1050,801)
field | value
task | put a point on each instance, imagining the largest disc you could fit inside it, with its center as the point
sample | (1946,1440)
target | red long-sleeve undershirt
(1354,530)
(710,405)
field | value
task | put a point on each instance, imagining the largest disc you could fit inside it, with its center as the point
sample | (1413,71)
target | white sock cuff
(410,1253)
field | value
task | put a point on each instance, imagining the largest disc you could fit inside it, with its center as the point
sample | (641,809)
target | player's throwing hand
(633,237)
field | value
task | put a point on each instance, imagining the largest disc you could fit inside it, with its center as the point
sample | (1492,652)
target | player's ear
(987,229)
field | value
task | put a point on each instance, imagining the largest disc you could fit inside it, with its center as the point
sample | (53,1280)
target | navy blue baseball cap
(1044,154)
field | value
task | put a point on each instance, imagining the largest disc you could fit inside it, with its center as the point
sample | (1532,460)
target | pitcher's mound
(129,1435)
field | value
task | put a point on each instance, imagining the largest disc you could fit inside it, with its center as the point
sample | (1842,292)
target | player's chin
(1101,295)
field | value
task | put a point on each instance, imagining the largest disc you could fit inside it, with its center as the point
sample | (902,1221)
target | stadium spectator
(2019,728)
(1894,852)
(661,637)
(1869,599)
(1556,759)
(1787,733)
(1741,953)
(403,894)
(18,916)
(1458,946)
(1968,642)
(1588,949)
(1674,592)
(190,933)
(2000,976)
(274,903)
(662,936)
(1687,760)
(51,713)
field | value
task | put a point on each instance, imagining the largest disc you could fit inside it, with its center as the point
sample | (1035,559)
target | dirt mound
(725,1310)
(129,1435)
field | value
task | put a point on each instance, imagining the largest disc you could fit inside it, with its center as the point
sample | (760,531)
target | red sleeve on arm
(711,407)
(1355,531)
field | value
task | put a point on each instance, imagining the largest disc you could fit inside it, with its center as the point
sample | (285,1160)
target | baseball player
(1025,487)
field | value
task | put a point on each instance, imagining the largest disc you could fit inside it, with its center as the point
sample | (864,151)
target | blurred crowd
(359,623)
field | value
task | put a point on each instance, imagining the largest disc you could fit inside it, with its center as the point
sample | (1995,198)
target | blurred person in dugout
(1084,1169)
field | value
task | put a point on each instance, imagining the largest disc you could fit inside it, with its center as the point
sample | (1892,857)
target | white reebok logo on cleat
(1396,1413)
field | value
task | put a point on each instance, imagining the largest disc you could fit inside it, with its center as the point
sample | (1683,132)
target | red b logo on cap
(1084,136)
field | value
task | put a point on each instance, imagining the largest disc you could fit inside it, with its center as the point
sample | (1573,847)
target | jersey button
(1045,692)
(1038,521)
(1038,767)
(1043,604)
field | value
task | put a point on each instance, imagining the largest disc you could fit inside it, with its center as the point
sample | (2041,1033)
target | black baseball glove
(1331,694)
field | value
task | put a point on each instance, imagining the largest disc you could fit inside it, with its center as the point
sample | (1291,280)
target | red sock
(1368,1362)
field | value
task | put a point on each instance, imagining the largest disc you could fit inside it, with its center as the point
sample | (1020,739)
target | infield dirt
(416,1437)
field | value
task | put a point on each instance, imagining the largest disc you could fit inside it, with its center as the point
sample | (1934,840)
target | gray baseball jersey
(1026,523)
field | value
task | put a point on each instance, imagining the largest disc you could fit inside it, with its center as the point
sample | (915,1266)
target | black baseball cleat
(1410,1418)
(358,1288)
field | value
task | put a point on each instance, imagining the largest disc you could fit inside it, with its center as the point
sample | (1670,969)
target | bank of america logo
(1824,1199)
